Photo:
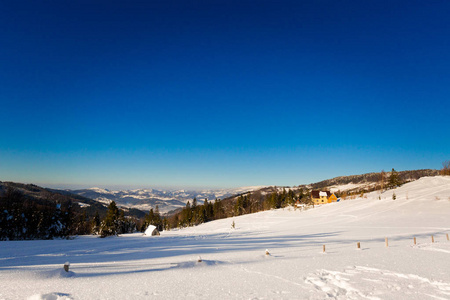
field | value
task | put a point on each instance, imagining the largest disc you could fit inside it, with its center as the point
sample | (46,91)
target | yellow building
(319,197)
(332,198)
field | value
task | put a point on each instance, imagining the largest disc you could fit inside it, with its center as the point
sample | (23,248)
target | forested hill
(372,178)
(40,194)
(28,211)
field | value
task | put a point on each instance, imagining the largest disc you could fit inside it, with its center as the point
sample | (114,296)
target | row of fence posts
(358,244)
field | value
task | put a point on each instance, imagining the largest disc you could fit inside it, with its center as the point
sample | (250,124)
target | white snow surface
(234,264)
(348,186)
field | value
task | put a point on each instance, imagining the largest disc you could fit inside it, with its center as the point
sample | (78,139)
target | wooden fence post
(323,248)
(386,240)
(447,237)
(358,245)
(66,266)
(414,240)
(432,239)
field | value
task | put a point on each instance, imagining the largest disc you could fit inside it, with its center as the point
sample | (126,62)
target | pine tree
(96,223)
(238,206)
(166,224)
(194,208)
(149,219)
(206,213)
(245,204)
(154,218)
(109,226)
(200,216)
(186,215)
(394,180)
(218,210)
(290,200)
(158,222)
(122,223)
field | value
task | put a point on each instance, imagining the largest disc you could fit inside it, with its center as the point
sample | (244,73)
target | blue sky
(221,93)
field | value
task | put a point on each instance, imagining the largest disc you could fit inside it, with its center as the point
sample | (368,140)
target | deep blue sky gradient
(221,93)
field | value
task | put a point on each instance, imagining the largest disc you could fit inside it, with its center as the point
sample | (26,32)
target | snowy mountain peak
(99,190)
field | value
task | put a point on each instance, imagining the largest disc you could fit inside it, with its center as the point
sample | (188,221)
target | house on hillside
(319,197)
(332,198)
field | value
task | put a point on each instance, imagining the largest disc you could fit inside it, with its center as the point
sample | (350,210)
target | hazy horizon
(118,187)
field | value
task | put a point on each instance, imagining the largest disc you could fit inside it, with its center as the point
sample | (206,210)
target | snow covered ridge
(145,199)
(215,261)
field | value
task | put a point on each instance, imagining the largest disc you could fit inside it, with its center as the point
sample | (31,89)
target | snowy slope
(234,264)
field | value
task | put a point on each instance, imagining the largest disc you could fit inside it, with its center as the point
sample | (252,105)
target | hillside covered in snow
(216,261)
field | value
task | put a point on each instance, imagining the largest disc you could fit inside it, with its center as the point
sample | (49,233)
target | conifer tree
(166,224)
(96,223)
(245,204)
(394,180)
(186,215)
(238,206)
(154,218)
(109,226)
(218,209)
(205,209)
(194,209)
(158,222)
(150,217)
(382,180)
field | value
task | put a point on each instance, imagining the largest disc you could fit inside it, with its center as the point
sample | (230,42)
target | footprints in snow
(367,283)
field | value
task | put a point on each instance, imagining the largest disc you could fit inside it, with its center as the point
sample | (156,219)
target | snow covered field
(234,264)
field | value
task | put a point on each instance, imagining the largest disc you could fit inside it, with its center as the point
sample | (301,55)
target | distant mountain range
(170,200)
(167,201)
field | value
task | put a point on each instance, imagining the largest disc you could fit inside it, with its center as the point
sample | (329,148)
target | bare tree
(445,168)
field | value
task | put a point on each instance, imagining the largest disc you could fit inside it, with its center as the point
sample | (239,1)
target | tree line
(194,214)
